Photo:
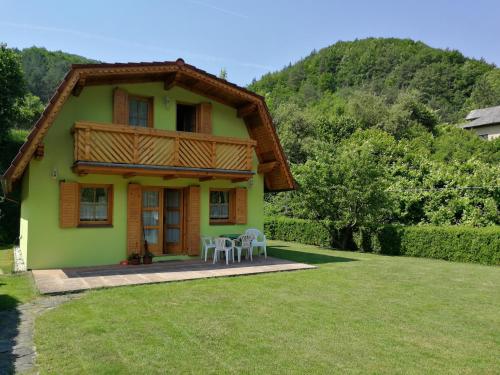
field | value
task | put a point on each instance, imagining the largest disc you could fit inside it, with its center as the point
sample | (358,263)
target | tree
(44,69)
(12,89)
(28,110)
(451,178)
(346,185)
(295,130)
(486,91)
(370,109)
(409,115)
(223,73)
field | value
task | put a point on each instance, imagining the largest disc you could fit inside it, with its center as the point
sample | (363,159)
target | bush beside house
(455,243)
(299,230)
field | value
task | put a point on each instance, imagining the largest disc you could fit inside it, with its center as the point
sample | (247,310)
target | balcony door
(152,218)
(173,221)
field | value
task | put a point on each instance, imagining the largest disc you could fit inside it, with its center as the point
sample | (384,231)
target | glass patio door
(152,218)
(173,220)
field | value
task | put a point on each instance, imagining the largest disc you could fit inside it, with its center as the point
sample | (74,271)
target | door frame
(179,249)
(158,248)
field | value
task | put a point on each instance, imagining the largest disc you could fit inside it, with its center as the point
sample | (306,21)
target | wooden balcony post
(249,157)
(76,133)
(135,151)
(176,151)
(87,144)
(214,154)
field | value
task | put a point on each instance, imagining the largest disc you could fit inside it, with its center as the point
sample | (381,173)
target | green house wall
(45,245)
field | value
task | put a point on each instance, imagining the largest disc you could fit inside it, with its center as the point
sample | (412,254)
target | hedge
(455,243)
(305,231)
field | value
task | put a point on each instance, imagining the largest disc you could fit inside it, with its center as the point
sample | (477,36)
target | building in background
(485,122)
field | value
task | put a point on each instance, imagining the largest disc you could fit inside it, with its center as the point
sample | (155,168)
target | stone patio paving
(64,280)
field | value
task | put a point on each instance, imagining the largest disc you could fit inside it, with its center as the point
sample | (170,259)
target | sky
(247,38)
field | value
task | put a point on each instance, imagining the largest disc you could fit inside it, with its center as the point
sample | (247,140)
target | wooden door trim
(181,210)
(159,249)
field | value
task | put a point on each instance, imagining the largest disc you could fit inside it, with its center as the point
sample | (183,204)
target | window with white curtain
(219,205)
(95,204)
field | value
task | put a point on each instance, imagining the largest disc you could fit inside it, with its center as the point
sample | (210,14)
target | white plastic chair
(259,241)
(221,247)
(207,243)
(245,241)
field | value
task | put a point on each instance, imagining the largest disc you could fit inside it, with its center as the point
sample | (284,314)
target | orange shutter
(192,196)
(204,118)
(120,106)
(240,202)
(134,229)
(68,204)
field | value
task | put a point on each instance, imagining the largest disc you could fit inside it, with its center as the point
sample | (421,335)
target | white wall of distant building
(487,132)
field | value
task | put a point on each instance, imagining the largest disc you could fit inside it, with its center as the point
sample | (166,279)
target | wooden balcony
(130,151)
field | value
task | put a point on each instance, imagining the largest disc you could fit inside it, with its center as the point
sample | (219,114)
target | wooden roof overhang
(250,107)
(132,170)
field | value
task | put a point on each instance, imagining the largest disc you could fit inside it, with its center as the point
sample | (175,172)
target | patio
(53,281)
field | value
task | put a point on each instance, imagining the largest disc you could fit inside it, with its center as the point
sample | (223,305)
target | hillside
(361,124)
(43,69)
(445,80)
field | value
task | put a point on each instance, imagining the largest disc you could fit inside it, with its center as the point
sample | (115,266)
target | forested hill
(43,70)
(444,80)
(362,125)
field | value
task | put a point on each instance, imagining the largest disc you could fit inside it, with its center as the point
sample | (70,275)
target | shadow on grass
(9,323)
(305,257)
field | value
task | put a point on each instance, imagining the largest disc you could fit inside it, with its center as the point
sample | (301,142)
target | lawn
(14,289)
(356,313)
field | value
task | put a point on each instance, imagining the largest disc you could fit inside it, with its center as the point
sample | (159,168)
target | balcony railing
(119,144)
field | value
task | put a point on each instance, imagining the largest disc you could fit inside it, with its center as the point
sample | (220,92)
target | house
(485,122)
(159,151)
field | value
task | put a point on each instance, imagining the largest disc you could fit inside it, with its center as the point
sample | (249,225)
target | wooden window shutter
(204,114)
(240,206)
(193,219)
(120,106)
(134,212)
(68,204)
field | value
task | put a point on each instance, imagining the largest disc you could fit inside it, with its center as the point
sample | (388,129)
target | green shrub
(305,231)
(455,243)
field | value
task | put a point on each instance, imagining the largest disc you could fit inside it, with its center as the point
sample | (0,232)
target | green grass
(6,259)
(356,313)
(15,289)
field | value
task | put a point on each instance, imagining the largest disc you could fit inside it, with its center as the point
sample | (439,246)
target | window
(95,205)
(228,206)
(186,118)
(140,111)
(219,205)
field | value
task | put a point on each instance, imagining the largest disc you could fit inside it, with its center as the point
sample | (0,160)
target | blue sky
(248,38)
